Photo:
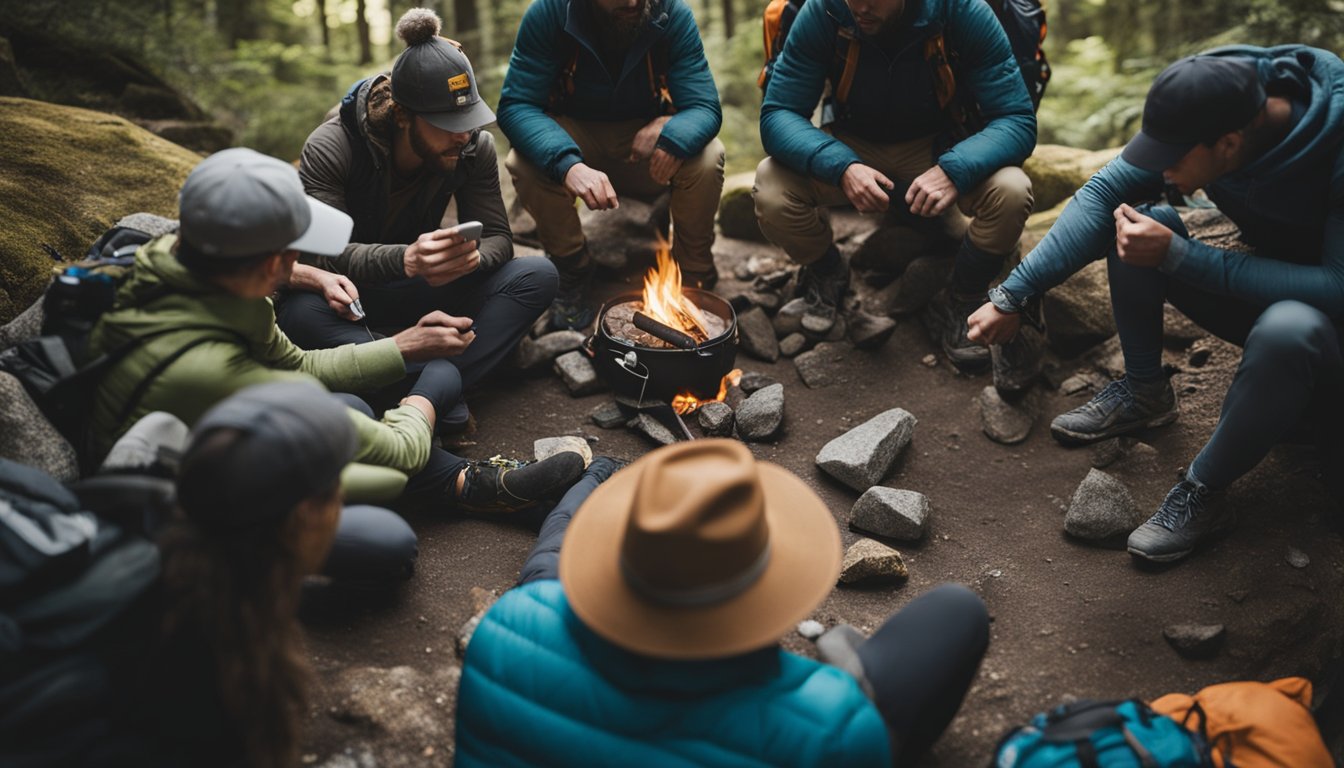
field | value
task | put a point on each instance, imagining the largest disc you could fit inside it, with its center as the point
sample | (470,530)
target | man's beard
(618,34)
(432,159)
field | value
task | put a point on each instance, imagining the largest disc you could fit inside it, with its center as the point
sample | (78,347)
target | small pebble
(929,360)
(810,629)
(1297,558)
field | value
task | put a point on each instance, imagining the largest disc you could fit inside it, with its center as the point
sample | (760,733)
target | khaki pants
(789,203)
(605,146)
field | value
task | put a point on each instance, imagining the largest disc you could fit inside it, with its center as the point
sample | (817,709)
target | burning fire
(664,301)
(687,403)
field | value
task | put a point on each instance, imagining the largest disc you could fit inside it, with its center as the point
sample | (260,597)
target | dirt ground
(1068,619)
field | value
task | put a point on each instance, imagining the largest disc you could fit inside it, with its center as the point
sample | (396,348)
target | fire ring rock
(761,416)
(872,561)
(891,512)
(863,455)
(578,374)
(716,419)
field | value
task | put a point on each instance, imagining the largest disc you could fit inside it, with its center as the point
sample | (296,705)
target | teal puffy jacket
(540,689)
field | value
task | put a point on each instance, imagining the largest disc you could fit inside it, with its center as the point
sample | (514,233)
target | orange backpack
(1253,725)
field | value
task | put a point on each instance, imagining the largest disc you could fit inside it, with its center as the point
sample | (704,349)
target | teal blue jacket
(552,30)
(540,689)
(893,97)
(1289,204)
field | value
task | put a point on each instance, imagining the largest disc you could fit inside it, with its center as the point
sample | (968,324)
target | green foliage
(1088,104)
(736,66)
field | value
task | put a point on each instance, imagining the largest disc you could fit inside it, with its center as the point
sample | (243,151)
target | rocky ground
(1072,618)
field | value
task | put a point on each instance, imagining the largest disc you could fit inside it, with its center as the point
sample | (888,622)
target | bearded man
(606,98)
(402,147)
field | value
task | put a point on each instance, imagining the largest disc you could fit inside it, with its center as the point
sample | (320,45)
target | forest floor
(1069,619)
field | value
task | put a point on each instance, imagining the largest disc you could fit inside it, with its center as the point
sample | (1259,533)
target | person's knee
(963,618)
(522,171)
(771,192)
(354,402)
(1289,328)
(707,163)
(1008,196)
(530,281)
(373,545)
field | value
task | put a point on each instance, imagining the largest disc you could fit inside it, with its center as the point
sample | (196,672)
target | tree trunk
(728,20)
(322,24)
(464,26)
(362,27)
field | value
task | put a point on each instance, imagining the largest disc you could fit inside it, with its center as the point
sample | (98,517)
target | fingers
(441,319)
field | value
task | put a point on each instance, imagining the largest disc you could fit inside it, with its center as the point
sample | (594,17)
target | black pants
(503,305)
(372,546)
(921,662)
(434,486)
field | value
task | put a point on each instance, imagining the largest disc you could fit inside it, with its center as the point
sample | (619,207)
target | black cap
(433,78)
(296,438)
(1197,99)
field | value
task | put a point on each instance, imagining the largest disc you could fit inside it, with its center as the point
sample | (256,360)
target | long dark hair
(230,597)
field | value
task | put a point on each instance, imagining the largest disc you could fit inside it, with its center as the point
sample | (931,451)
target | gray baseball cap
(434,80)
(239,202)
(296,438)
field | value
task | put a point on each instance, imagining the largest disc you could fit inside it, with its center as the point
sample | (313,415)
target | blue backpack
(1113,734)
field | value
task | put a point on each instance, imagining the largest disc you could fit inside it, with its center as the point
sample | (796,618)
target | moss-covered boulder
(66,175)
(1057,172)
(737,208)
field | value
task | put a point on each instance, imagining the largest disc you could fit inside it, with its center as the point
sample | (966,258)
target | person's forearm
(306,278)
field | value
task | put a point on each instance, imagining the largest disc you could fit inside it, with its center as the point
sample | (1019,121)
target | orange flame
(685,402)
(664,301)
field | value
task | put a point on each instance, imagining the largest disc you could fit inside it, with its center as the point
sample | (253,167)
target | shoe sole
(1069,437)
(1168,558)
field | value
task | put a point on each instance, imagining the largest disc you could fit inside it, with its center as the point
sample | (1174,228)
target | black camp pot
(644,374)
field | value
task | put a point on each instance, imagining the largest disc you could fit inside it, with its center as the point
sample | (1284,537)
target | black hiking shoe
(1184,519)
(945,319)
(1019,362)
(572,309)
(823,292)
(504,485)
(1122,407)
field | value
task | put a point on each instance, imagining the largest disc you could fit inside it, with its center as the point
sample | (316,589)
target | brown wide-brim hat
(698,551)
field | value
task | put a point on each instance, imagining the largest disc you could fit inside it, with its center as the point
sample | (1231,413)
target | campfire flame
(664,301)
(685,402)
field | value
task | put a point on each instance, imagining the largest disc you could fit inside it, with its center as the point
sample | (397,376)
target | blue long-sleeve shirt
(1289,203)
(893,98)
(540,55)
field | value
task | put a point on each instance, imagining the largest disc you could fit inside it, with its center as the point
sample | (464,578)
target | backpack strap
(138,393)
(564,83)
(656,60)
(847,53)
(944,81)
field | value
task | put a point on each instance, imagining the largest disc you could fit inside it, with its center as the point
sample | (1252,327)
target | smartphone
(469,230)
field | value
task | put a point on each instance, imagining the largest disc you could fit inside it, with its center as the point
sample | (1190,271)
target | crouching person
(660,618)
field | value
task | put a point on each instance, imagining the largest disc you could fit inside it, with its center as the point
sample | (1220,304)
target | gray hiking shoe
(1122,407)
(1017,363)
(823,293)
(1183,520)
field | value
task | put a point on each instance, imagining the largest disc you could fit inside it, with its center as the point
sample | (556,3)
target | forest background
(270,69)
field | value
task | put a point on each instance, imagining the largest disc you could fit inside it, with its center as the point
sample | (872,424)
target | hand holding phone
(469,230)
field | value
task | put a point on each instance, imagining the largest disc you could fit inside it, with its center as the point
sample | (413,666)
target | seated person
(1261,131)
(891,143)
(646,632)
(403,147)
(606,98)
(195,326)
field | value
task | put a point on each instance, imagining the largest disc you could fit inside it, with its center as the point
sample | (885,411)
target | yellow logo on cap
(458,82)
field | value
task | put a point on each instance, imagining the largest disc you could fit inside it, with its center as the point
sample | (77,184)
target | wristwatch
(1010,304)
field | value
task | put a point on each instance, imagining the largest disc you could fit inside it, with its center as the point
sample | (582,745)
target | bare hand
(866,188)
(663,166)
(438,334)
(593,186)
(340,293)
(441,257)
(1140,240)
(645,140)
(991,325)
(931,193)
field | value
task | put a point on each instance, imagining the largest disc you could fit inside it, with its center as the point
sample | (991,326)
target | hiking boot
(823,292)
(572,309)
(945,320)
(1017,363)
(505,485)
(702,279)
(1122,407)
(1184,519)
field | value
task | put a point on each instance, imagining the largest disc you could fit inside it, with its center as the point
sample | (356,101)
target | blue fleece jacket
(1289,203)
(541,689)
(552,30)
(893,97)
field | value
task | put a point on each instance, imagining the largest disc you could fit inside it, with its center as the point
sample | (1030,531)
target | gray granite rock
(578,373)
(816,367)
(716,419)
(28,438)
(770,301)
(534,353)
(757,335)
(1297,558)
(789,318)
(891,512)
(868,331)
(761,416)
(1003,421)
(1196,641)
(653,429)
(546,447)
(1101,509)
(792,344)
(871,561)
(608,416)
(755,380)
(863,455)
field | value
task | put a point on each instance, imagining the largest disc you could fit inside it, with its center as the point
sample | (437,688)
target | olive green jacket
(247,349)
